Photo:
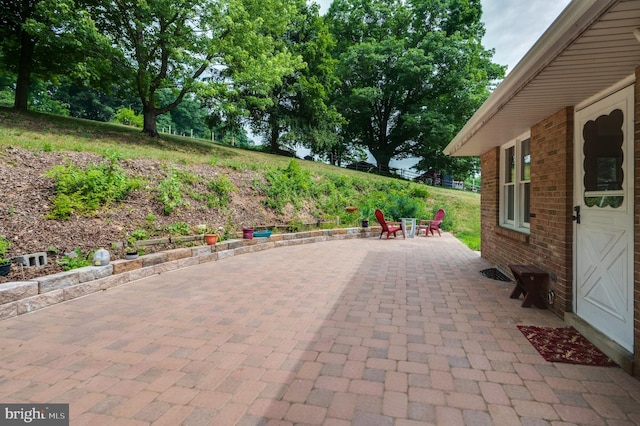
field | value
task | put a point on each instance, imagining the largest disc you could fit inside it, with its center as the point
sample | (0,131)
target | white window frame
(518,222)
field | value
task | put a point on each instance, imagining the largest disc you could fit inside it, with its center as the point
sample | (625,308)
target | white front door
(603,200)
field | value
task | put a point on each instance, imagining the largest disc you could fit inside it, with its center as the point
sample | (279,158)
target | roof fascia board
(567,27)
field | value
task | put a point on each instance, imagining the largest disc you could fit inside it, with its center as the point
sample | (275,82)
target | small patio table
(412,221)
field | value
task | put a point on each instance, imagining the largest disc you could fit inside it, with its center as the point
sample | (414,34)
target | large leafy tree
(43,39)
(413,72)
(294,111)
(177,44)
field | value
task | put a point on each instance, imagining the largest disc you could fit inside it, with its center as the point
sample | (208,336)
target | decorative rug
(566,345)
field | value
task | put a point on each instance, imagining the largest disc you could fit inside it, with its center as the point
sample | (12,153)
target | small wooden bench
(530,282)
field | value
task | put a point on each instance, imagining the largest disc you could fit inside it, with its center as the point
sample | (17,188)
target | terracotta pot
(211,239)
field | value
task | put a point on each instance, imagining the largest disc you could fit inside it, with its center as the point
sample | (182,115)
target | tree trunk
(382,160)
(273,137)
(149,126)
(333,157)
(27,46)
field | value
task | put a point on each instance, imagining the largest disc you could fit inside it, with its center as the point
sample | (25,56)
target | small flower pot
(131,256)
(211,239)
(365,223)
(247,233)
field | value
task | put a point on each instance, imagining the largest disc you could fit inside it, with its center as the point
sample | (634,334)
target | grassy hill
(76,184)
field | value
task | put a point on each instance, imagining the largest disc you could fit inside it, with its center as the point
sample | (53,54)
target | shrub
(419,191)
(221,189)
(139,234)
(287,186)
(86,190)
(170,190)
(179,228)
(401,204)
(128,117)
(76,260)
(4,246)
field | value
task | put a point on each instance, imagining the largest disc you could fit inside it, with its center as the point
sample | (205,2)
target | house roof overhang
(589,48)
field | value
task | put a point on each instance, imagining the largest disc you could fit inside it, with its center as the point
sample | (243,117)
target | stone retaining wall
(21,297)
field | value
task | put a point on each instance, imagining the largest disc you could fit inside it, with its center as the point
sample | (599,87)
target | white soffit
(587,49)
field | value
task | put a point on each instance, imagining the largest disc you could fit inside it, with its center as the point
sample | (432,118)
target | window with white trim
(515,184)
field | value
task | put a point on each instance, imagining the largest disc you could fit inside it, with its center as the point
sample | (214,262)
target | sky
(512,28)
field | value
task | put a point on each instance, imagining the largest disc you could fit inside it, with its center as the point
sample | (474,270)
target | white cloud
(513,26)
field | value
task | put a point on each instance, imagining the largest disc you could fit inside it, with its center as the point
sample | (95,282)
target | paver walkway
(353,332)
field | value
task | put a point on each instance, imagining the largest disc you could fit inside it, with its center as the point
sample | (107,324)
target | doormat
(566,345)
(495,274)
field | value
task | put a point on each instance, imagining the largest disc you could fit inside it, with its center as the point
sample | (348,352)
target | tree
(294,111)
(48,38)
(413,72)
(176,44)
(84,101)
(187,117)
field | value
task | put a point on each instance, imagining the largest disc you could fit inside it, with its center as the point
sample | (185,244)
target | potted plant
(131,249)
(365,212)
(210,236)
(5,263)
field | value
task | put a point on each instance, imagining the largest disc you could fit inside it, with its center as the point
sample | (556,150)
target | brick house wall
(549,243)
(552,171)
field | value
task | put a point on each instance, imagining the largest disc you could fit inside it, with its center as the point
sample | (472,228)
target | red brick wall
(549,244)
(489,204)
(552,202)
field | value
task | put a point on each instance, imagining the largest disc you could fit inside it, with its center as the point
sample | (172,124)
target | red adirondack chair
(388,226)
(433,224)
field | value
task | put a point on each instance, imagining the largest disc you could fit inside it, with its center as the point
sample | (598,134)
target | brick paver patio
(353,332)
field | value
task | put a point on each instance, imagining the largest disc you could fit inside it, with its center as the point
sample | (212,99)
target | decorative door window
(603,160)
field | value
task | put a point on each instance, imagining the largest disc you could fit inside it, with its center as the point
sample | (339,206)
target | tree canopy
(412,72)
(294,111)
(176,44)
(50,38)
(396,78)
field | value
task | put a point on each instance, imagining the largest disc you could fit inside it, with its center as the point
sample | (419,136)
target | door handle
(576,216)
